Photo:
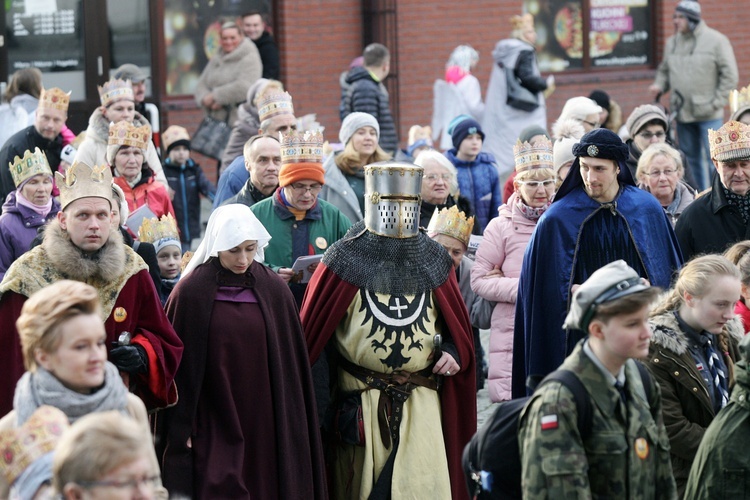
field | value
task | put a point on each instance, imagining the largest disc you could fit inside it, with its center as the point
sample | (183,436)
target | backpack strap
(580,395)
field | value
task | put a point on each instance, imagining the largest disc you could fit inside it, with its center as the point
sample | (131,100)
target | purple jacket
(18,225)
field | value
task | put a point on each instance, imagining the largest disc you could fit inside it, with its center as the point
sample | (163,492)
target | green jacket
(721,468)
(621,458)
(323,225)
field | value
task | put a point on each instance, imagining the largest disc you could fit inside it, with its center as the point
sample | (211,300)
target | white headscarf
(228,227)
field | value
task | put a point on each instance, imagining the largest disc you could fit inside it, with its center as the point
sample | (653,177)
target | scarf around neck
(42,210)
(531,213)
(41,387)
(741,202)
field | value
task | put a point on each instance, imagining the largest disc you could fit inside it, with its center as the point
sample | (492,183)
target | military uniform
(626,454)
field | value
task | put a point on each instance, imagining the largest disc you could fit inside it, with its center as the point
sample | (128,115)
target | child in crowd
(739,256)
(163,234)
(188,182)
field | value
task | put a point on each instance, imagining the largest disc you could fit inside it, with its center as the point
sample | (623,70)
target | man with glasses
(648,124)
(598,216)
(700,69)
(299,223)
(718,219)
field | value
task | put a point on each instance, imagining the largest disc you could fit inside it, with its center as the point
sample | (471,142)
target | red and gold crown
(273,104)
(531,156)
(32,163)
(301,147)
(54,98)
(83,181)
(114,90)
(39,435)
(731,142)
(451,222)
(125,133)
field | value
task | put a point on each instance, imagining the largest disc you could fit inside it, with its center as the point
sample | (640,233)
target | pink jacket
(504,244)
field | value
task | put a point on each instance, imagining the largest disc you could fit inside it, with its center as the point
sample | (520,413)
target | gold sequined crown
(153,230)
(739,98)
(451,222)
(301,147)
(20,447)
(126,134)
(32,163)
(531,156)
(731,142)
(273,104)
(83,181)
(114,90)
(522,22)
(54,98)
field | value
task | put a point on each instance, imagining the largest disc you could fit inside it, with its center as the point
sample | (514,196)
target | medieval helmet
(392,198)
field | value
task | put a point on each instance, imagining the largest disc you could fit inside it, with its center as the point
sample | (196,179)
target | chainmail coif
(388,265)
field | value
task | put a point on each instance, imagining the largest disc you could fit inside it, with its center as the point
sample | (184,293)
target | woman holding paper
(245,425)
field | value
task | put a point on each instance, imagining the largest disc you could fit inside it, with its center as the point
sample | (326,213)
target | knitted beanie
(463,129)
(295,172)
(690,9)
(642,115)
(354,122)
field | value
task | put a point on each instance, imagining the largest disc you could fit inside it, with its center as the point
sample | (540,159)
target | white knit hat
(579,108)
(354,122)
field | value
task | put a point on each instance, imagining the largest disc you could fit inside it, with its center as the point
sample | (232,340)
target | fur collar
(98,128)
(667,332)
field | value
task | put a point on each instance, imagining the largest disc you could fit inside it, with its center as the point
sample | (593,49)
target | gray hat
(613,281)
(131,72)
(690,9)
(354,122)
(642,115)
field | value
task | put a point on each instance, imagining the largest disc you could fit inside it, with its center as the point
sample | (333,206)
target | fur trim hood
(668,334)
(107,264)
(98,128)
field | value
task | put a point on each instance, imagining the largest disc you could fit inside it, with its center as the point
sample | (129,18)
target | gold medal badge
(321,243)
(641,448)
(120,314)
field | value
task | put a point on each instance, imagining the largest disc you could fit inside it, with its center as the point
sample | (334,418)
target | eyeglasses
(536,184)
(131,484)
(657,173)
(648,135)
(302,189)
(590,124)
(435,177)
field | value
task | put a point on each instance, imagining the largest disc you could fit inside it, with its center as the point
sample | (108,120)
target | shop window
(130,35)
(619,33)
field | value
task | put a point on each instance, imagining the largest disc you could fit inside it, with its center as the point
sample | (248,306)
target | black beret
(602,143)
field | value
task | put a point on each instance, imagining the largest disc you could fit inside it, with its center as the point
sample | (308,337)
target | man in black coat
(254,28)
(43,134)
(719,218)
(366,93)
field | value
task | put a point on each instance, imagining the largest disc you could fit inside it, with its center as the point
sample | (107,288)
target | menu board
(45,34)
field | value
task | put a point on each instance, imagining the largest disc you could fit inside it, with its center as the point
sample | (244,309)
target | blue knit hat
(602,143)
(464,128)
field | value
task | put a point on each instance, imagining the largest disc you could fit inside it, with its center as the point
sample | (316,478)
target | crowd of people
(322,340)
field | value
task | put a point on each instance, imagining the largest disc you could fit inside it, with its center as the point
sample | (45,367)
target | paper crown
(451,222)
(739,98)
(21,446)
(160,232)
(173,134)
(125,133)
(301,147)
(114,90)
(32,163)
(54,98)
(273,104)
(731,142)
(82,181)
(522,22)
(531,156)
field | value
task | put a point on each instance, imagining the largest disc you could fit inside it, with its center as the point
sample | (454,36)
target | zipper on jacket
(183,195)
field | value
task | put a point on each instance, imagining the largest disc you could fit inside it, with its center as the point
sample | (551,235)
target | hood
(9,207)
(28,102)
(358,73)
(98,128)
(482,157)
(574,179)
(506,51)
(667,332)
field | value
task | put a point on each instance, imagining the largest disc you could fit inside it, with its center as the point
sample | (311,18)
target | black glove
(129,358)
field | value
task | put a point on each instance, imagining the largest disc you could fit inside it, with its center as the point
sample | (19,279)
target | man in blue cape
(598,216)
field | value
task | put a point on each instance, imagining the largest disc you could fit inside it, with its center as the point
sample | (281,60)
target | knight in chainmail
(597,217)
(385,308)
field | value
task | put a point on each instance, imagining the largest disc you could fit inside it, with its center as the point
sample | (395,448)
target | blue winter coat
(188,182)
(479,182)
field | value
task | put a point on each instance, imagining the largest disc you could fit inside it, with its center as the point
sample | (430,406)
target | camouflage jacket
(625,456)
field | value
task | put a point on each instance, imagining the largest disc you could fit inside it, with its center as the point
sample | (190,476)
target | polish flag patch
(699,366)
(549,422)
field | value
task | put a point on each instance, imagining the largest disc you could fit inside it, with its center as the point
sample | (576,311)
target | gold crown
(739,98)
(153,230)
(273,104)
(731,142)
(125,133)
(173,134)
(522,22)
(21,446)
(114,90)
(301,147)
(54,98)
(451,222)
(531,156)
(82,181)
(32,163)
